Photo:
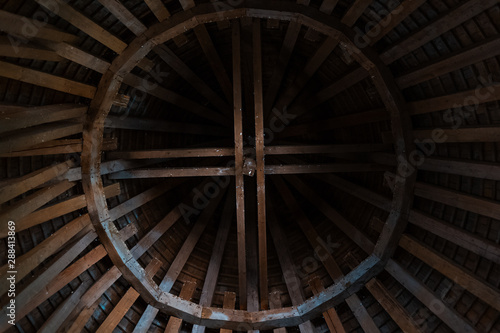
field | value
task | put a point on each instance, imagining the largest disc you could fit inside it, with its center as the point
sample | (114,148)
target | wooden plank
(322,168)
(78,324)
(92,296)
(24,297)
(292,280)
(331,317)
(25,51)
(158,8)
(23,139)
(228,303)
(119,311)
(16,25)
(276,304)
(172,153)
(214,265)
(365,320)
(60,147)
(238,154)
(153,267)
(489,93)
(327,7)
(56,319)
(46,80)
(355,12)
(439,26)
(187,292)
(456,273)
(325,149)
(36,178)
(61,208)
(128,231)
(65,11)
(261,180)
(158,125)
(488,48)
(30,203)
(444,312)
(214,60)
(174,172)
(124,16)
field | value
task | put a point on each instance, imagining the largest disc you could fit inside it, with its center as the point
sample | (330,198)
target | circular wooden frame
(117,249)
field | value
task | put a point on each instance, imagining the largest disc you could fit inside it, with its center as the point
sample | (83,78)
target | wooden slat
(158,125)
(331,317)
(61,208)
(65,11)
(214,265)
(158,8)
(25,51)
(259,148)
(187,292)
(30,203)
(447,314)
(473,54)
(321,168)
(20,185)
(124,16)
(325,149)
(46,80)
(442,24)
(119,311)
(228,303)
(238,153)
(173,172)
(359,311)
(214,60)
(292,281)
(275,303)
(172,153)
(16,25)
(128,231)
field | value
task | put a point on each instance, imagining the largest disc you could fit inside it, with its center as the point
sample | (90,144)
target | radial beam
(238,154)
(172,153)
(119,311)
(326,149)
(259,149)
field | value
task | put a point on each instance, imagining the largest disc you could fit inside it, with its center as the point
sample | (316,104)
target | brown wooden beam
(119,311)
(228,303)
(331,317)
(9,48)
(60,147)
(322,168)
(325,149)
(172,153)
(275,303)
(187,292)
(173,172)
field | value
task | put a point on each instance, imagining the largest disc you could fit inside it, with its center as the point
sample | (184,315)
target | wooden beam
(187,292)
(16,25)
(119,311)
(390,304)
(261,180)
(322,168)
(46,80)
(77,19)
(276,304)
(90,297)
(351,120)
(444,312)
(439,26)
(180,260)
(172,153)
(8,48)
(60,147)
(456,273)
(326,149)
(20,185)
(488,93)
(61,208)
(158,125)
(488,48)
(26,138)
(33,258)
(326,7)
(365,320)
(214,265)
(124,16)
(355,12)
(174,172)
(214,60)
(24,297)
(30,203)
(238,156)
(331,317)
(292,280)
(63,278)
(228,303)
(158,9)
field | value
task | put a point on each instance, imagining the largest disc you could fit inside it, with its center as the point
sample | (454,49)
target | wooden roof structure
(247,165)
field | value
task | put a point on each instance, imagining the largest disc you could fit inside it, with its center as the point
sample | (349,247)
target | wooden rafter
(187,291)
(118,311)
(331,317)
(228,303)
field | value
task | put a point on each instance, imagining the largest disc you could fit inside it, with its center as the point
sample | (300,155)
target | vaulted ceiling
(249,165)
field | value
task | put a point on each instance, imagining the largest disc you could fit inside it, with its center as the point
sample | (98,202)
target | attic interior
(204,166)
